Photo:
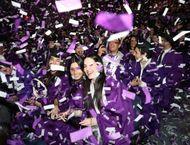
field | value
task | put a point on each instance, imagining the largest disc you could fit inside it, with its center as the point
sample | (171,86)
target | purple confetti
(113,22)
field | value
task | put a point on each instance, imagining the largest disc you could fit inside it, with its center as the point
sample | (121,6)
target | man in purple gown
(170,70)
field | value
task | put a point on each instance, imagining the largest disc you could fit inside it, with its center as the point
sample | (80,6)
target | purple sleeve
(116,118)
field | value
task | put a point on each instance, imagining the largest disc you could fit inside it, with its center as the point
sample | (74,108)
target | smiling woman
(73,115)
(111,124)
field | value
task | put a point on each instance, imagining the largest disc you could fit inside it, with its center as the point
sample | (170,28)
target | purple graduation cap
(113,22)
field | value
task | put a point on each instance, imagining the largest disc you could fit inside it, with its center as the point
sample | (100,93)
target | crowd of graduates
(83,88)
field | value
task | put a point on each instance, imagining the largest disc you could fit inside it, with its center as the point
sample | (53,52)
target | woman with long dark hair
(107,106)
(76,78)
(56,84)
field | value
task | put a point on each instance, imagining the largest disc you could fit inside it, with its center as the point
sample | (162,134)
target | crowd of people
(75,86)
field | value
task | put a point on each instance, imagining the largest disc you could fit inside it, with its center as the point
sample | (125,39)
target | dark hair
(145,48)
(131,38)
(134,37)
(167,38)
(49,77)
(98,85)
(78,60)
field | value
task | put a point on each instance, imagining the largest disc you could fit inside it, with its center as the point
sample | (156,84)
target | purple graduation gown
(171,75)
(149,111)
(54,131)
(116,115)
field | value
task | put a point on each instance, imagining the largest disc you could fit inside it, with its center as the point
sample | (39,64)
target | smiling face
(114,46)
(76,72)
(90,68)
(139,55)
(155,39)
(79,50)
(54,61)
(133,42)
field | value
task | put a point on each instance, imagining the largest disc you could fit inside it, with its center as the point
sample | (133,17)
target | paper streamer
(113,22)
(81,134)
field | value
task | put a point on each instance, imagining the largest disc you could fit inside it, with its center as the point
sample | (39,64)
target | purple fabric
(17,24)
(170,68)
(71,48)
(113,22)
(43,24)
(147,94)
(117,106)
(128,94)
(93,113)
(24,38)
(36,2)
(172,73)
(19,69)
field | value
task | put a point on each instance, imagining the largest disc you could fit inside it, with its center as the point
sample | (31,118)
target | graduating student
(15,82)
(170,70)
(128,60)
(157,47)
(144,80)
(113,112)
(112,60)
(55,87)
(76,104)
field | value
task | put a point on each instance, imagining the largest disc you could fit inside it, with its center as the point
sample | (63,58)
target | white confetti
(187,39)
(182,33)
(16,4)
(3,77)
(48,32)
(58,26)
(68,5)
(140,116)
(57,67)
(74,22)
(3,94)
(23,12)
(118,36)
(47,107)
(127,8)
(181,1)
(21,51)
(176,21)
(165,12)
(139,7)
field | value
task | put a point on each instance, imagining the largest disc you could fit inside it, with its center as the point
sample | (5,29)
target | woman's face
(155,39)
(76,72)
(133,42)
(90,68)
